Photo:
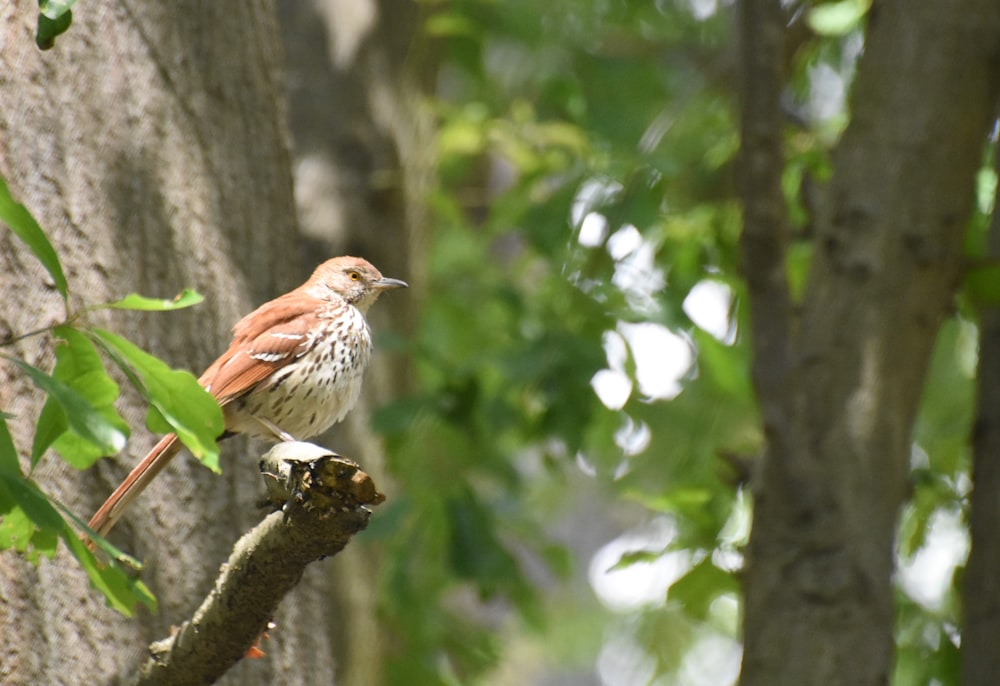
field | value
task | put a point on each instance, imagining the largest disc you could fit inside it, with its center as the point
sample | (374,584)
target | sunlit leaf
(83,419)
(101,543)
(947,409)
(986,189)
(448,24)
(16,528)
(636,557)
(17,217)
(702,584)
(176,399)
(53,9)
(134,301)
(837,18)
(79,366)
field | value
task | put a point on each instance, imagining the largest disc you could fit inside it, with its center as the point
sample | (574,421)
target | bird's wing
(264,341)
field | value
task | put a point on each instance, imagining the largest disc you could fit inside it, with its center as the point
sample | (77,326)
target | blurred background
(560,414)
(569,452)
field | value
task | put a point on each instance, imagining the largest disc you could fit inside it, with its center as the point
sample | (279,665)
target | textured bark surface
(888,257)
(151,145)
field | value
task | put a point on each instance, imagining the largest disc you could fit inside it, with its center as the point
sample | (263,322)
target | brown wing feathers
(263,341)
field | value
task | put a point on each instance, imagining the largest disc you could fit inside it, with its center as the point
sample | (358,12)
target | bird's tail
(135,483)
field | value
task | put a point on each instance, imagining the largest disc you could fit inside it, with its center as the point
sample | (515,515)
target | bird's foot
(278,432)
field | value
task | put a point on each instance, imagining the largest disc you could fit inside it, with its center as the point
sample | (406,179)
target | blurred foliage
(619,116)
(585,185)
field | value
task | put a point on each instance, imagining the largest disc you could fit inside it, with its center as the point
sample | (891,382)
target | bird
(293,370)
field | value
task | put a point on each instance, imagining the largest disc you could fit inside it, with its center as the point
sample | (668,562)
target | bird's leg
(275,429)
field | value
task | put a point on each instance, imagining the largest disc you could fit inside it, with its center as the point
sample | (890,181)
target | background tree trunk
(838,418)
(362,147)
(151,145)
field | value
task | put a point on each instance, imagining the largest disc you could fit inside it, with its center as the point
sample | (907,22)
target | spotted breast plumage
(325,370)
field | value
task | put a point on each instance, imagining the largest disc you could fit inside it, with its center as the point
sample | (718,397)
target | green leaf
(54,18)
(51,425)
(986,189)
(32,501)
(28,524)
(122,591)
(16,528)
(177,402)
(99,541)
(798,260)
(32,525)
(24,226)
(477,553)
(838,18)
(134,301)
(86,421)
(48,29)
(632,557)
(982,285)
(700,586)
(449,24)
(9,463)
(53,9)
(79,366)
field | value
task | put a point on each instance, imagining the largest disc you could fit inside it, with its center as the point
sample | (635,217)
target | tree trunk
(150,144)
(360,189)
(838,407)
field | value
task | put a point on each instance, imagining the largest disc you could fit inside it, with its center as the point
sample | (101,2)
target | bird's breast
(314,390)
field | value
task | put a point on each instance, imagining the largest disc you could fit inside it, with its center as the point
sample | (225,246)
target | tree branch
(322,498)
(765,223)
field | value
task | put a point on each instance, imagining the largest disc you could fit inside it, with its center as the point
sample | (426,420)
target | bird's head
(353,279)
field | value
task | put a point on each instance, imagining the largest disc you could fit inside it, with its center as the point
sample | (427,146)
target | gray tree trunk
(839,396)
(151,145)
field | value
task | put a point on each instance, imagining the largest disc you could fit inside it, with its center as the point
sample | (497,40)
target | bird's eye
(355,276)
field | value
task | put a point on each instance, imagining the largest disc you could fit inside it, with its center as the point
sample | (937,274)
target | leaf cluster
(552,116)
(80,422)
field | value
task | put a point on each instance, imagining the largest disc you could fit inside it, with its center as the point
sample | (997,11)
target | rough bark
(150,144)
(887,258)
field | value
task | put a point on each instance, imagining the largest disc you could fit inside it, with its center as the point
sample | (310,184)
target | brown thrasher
(293,369)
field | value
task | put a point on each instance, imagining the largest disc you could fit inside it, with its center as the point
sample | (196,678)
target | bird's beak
(385,284)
